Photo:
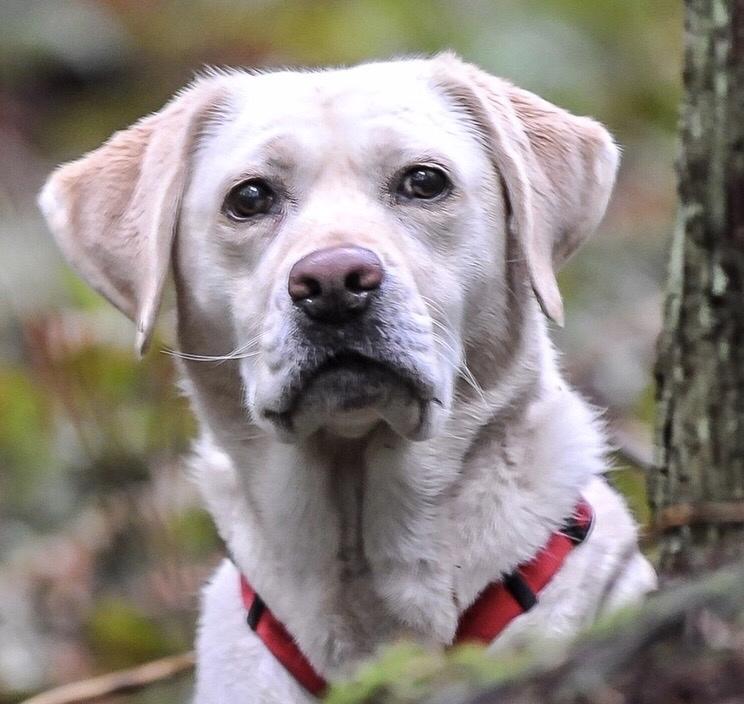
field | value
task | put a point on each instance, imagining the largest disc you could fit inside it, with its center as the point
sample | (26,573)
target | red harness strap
(276,638)
(494,609)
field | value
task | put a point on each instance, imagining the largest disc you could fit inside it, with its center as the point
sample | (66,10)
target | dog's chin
(351,399)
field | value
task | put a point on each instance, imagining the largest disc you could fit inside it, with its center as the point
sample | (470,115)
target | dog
(365,269)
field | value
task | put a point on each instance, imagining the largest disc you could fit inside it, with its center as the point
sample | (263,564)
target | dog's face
(339,231)
(344,214)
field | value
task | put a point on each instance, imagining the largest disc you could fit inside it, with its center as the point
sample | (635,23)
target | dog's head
(344,235)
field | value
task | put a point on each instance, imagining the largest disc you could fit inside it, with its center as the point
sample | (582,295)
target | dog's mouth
(349,393)
(355,379)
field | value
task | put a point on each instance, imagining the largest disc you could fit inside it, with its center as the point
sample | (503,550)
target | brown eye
(249,198)
(424,182)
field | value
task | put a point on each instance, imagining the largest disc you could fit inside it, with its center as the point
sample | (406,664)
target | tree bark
(697,491)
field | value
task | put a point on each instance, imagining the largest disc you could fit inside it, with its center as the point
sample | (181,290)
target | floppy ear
(114,211)
(558,170)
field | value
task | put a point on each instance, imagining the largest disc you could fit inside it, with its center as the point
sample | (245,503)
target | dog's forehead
(369,102)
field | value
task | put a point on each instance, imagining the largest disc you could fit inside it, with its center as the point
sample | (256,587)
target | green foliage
(646,405)
(631,483)
(176,692)
(24,433)
(195,534)
(123,636)
(80,295)
(406,673)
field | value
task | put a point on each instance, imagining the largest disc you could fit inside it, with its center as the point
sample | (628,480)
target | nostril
(363,279)
(302,287)
(353,283)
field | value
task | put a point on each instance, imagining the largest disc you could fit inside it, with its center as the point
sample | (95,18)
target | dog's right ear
(114,211)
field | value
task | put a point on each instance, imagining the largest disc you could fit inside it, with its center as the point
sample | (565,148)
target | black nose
(334,284)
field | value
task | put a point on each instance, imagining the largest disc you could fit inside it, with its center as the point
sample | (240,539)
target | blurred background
(103,543)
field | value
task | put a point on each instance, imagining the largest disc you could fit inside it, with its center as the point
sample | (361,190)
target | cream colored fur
(361,527)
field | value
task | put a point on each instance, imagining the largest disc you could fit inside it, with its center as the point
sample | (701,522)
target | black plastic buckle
(576,529)
(520,590)
(255,612)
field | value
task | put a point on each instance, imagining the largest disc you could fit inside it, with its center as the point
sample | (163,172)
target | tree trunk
(698,489)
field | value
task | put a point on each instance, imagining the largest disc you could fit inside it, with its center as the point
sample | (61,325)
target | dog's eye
(249,198)
(424,182)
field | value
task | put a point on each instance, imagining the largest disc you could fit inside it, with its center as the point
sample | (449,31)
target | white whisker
(436,306)
(461,367)
(238,353)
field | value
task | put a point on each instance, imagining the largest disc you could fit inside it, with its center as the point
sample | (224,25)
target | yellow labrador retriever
(365,263)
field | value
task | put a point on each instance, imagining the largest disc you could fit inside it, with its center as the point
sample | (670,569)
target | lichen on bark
(700,368)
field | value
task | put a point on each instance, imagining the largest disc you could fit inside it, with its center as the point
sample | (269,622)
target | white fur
(361,527)
(491,527)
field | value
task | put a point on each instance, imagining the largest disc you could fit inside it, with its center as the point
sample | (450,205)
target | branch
(121,682)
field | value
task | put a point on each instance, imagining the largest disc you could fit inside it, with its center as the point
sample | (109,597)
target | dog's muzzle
(356,357)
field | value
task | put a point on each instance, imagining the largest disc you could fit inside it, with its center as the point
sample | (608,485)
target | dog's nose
(334,284)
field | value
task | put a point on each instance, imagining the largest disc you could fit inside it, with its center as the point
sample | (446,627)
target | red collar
(496,606)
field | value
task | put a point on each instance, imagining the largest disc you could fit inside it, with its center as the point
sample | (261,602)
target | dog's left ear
(558,169)
(114,211)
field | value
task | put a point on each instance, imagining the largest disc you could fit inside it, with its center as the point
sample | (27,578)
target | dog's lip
(361,361)
(350,359)
(295,418)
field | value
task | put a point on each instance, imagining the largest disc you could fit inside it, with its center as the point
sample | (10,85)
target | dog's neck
(353,543)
